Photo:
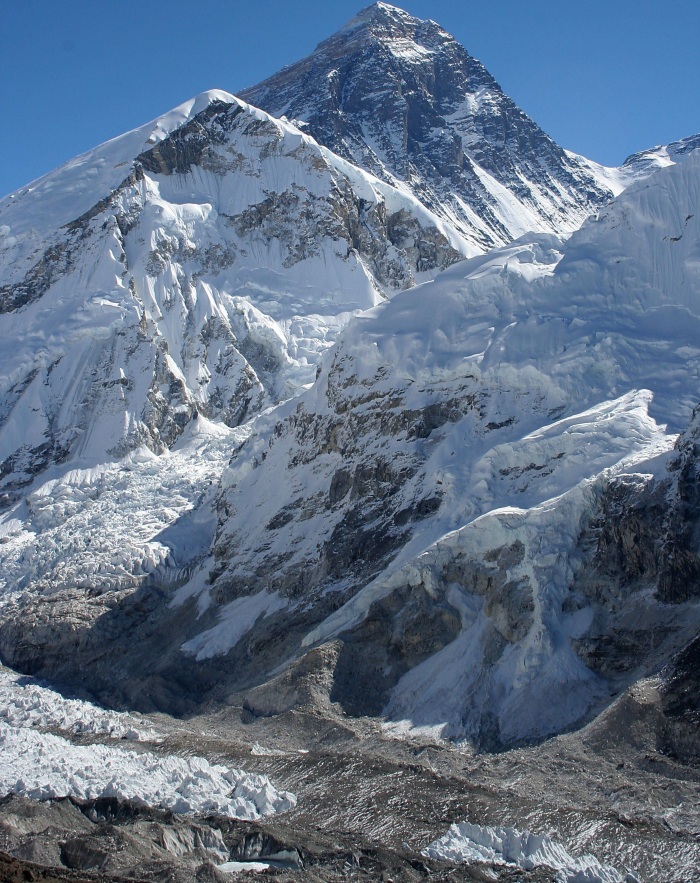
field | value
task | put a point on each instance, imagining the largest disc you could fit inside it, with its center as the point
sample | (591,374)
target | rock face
(400,97)
(460,543)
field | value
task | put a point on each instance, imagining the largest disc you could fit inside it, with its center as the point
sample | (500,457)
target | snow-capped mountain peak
(167,287)
(198,264)
(401,97)
(383,21)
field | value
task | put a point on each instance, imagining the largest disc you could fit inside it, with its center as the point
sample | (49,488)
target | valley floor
(368,805)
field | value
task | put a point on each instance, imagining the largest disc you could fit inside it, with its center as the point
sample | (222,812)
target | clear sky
(604,78)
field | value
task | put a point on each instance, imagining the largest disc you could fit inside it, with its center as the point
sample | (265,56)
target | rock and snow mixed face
(416,517)
(200,264)
(400,97)
(404,535)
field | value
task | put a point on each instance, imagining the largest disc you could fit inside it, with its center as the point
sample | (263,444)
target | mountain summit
(401,97)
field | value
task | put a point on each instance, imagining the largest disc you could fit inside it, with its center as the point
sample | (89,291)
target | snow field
(25,703)
(43,765)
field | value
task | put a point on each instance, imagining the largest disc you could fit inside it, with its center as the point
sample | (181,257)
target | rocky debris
(680,702)
(368,805)
(679,571)
(122,841)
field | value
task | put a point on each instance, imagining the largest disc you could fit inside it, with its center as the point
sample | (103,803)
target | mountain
(642,164)
(201,264)
(212,489)
(355,444)
(465,524)
(459,523)
(197,265)
(401,98)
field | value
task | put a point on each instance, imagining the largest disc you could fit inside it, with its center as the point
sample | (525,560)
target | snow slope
(439,474)
(200,264)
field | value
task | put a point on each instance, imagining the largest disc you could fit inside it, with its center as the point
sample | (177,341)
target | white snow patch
(237,618)
(43,767)
(25,702)
(506,846)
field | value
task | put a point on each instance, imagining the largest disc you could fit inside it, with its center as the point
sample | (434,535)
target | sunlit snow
(506,846)
(43,766)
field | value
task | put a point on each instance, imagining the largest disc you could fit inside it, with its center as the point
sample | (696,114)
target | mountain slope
(199,264)
(440,476)
(449,527)
(401,98)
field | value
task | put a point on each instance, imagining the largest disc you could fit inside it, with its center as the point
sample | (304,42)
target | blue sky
(603,77)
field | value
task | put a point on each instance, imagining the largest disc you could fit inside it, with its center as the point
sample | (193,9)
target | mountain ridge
(295,455)
(193,308)
(216,251)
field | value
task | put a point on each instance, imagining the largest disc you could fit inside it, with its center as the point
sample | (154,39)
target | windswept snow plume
(521,849)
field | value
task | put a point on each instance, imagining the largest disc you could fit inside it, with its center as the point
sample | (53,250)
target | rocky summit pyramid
(403,99)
